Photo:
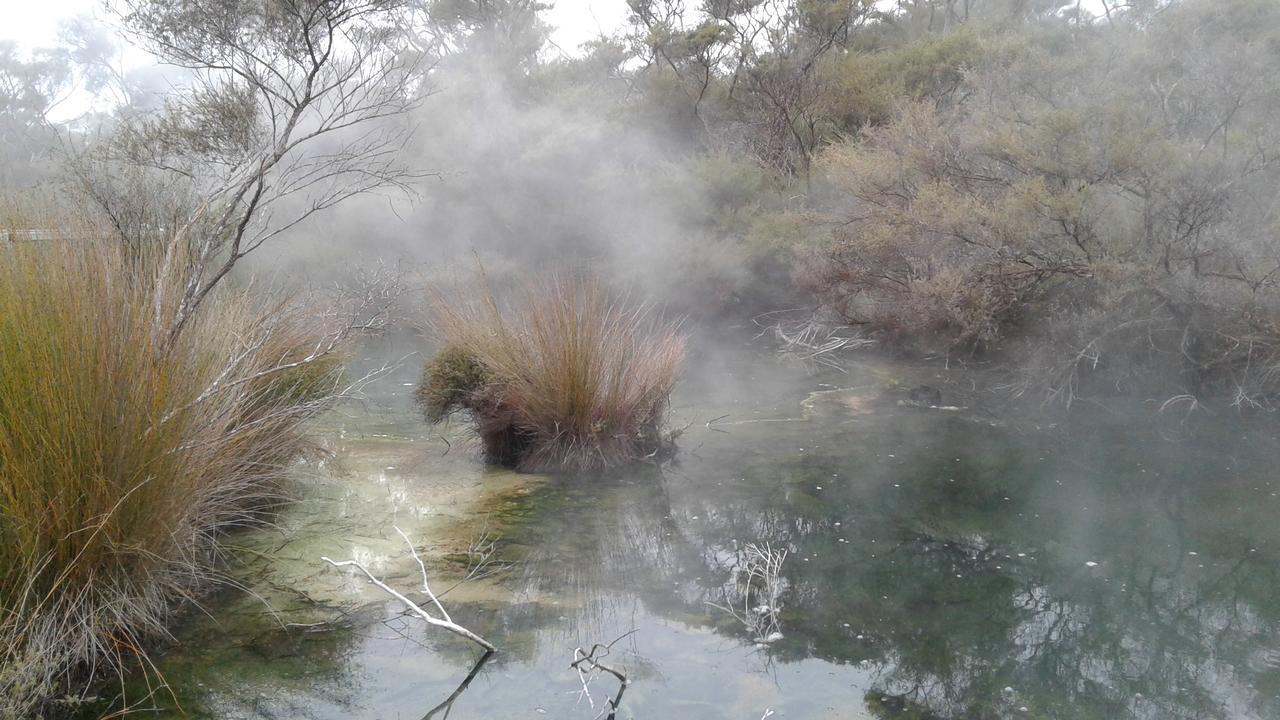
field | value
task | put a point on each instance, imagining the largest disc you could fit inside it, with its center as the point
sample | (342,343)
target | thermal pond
(939,563)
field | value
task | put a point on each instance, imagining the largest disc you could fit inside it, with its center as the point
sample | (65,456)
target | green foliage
(727,182)
(450,381)
(866,87)
(508,33)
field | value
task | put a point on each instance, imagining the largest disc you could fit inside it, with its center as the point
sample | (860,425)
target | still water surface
(941,564)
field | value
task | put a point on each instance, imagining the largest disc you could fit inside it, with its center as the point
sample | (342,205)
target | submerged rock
(924,396)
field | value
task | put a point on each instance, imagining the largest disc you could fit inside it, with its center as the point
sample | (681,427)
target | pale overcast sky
(35,23)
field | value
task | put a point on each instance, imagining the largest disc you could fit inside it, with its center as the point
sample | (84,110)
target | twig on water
(480,560)
(444,621)
(585,663)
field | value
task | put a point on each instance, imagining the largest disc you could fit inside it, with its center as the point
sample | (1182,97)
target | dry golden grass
(573,377)
(124,453)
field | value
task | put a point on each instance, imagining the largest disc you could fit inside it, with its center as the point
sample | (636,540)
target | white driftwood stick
(417,610)
(423,567)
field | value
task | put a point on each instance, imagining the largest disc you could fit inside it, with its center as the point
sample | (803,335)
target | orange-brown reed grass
(124,451)
(562,375)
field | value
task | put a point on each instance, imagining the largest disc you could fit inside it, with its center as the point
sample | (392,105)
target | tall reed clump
(563,375)
(125,450)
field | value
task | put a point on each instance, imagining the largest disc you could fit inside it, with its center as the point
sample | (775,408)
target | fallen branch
(585,662)
(811,340)
(444,621)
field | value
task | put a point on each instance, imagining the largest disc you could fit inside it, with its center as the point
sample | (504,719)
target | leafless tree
(292,109)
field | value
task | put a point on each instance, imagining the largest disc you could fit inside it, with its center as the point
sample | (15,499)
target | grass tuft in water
(126,451)
(563,375)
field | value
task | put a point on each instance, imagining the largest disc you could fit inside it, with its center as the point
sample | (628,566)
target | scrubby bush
(562,376)
(865,88)
(1065,213)
(126,449)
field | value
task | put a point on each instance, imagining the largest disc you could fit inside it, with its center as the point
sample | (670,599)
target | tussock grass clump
(126,449)
(451,378)
(561,376)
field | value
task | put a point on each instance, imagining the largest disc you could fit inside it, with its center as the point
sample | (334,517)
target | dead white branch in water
(444,621)
(586,663)
(811,340)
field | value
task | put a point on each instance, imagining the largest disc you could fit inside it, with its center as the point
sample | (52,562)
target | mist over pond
(940,564)
(754,358)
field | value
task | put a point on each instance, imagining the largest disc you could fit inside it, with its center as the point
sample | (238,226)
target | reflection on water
(939,566)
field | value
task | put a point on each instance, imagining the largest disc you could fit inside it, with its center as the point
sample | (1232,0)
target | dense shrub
(1091,223)
(563,376)
(865,88)
(125,450)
